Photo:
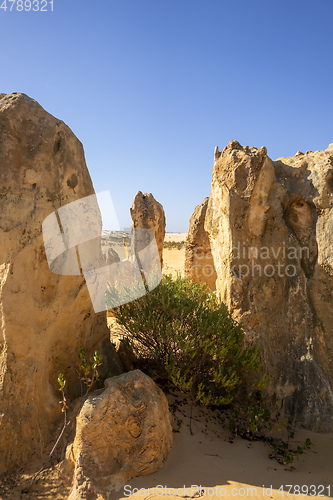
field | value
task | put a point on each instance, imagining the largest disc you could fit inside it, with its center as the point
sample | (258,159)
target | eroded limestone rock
(44,317)
(121,432)
(147,213)
(270,226)
(199,264)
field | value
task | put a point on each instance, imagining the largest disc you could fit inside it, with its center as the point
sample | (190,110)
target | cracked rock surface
(270,225)
(121,432)
(44,317)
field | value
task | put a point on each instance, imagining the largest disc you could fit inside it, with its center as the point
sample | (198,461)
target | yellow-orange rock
(199,263)
(121,432)
(147,213)
(270,226)
(44,317)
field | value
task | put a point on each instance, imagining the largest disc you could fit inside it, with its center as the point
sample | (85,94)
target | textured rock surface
(270,226)
(44,317)
(122,432)
(199,264)
(147,213)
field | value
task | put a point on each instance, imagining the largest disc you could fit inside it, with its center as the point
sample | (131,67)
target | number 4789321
(20,5)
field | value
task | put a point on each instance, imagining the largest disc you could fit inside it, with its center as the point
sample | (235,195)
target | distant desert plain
(174,259)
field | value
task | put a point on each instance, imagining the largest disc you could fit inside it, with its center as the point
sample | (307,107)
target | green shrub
(183,334)
(173,244)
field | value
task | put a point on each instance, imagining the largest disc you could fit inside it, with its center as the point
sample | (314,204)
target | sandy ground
(227,467)
(209,463)
(173,259)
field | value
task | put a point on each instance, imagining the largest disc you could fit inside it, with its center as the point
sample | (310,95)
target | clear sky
(150,87)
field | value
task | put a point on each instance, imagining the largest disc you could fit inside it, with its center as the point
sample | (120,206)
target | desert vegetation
(169,245)
(181,333)
(187,340)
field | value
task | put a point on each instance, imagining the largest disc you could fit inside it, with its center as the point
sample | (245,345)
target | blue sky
(150,87)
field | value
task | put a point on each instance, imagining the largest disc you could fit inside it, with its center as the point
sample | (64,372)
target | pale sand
(212,459)
(173,261)
(175,237)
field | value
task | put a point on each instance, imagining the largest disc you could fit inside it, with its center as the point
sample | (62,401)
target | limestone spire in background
(199,263)
(147,213)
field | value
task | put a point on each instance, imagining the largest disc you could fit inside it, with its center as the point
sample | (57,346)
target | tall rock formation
(270,226)
(199,264)
(44,317)
(147,213)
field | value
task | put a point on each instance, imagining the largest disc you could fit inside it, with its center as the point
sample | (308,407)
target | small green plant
(88,374)
(285,454)
(257,423)
(288,459)
(62,383)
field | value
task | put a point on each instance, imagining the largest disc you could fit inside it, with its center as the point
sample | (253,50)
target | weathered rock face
(122,432)
(199,264)
(270,226)
(45,317)
(147,213)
